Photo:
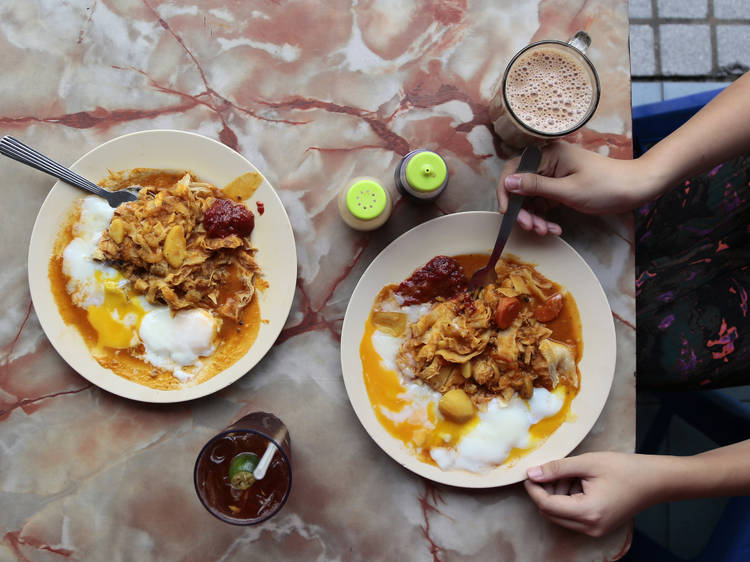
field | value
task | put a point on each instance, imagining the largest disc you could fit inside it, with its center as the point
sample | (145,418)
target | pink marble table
(313,93)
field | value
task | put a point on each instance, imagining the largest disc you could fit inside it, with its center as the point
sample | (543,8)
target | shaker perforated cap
(366,199)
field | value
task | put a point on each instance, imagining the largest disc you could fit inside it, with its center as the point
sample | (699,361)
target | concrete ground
(678,48)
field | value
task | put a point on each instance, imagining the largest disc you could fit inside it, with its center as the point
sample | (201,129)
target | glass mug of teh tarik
(549,89)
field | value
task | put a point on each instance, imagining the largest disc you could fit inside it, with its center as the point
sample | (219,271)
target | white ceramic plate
(475,232)
(212,162)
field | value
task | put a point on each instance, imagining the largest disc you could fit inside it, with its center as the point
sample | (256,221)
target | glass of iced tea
(549,90)
(228,472)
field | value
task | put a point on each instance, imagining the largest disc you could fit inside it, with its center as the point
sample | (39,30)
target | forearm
(728,468)
(721,472)
(717,133)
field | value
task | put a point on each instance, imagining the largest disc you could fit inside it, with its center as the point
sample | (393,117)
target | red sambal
(224,217)
(442,276)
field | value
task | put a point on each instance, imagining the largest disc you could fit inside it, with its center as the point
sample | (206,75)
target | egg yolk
(384,389)
(118,318)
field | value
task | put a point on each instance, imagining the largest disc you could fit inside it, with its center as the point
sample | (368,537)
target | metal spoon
(530,159)
(15,149)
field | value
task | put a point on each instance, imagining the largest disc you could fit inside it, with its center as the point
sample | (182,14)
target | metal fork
(530,159)
(15,149)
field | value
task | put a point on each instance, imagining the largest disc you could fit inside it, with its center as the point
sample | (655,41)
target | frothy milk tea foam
(549,90)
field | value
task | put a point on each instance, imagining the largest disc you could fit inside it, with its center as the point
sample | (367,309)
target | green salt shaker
(364,204)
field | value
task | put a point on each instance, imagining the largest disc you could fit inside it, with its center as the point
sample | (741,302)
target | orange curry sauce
(233,339)
(385,390)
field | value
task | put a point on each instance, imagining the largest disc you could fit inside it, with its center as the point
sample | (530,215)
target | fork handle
(515,201)
(15,149)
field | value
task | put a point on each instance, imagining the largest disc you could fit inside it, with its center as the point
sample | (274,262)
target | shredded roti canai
(457,344)
(161,245)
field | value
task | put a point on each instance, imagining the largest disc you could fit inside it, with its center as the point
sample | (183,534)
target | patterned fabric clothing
(692,281)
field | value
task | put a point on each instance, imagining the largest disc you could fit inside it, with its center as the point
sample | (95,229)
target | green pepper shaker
(421,176)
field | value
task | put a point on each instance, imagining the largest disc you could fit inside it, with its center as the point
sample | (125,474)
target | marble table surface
(313,94)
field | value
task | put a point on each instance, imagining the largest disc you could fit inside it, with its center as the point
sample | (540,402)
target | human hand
(583,180)
(595,492)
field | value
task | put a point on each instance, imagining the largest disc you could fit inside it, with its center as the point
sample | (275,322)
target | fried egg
(409,411)
(123,319)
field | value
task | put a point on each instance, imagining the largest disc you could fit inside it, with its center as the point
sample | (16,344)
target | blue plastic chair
(654,121)
(721,418)
(724,420)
